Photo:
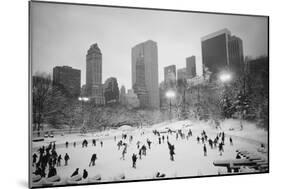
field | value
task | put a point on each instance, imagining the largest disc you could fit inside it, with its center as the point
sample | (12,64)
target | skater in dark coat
(134,159)
(59,161)
(93,160)
(52,172)
(159,140)
(230,140)
(66,144)
(148,143)
(221,148)
(171,151)
(74,144)
(34,159)
(85,174)
(76,172)
(94,142)
(143,148)
(101,143)
(198,140)
(205,150)
(66,158)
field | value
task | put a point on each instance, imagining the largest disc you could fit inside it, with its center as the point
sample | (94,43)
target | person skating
(124,152)
(198,140)
(74,144)
(205,150)
(159,140)
(140,153)
(52,172)
(66,144)
(143,148)
(230,140)
(148,143)
(66,158)
(220,148)
(85,174)
(94,142)
(76,172)
(34,159)
(59,161)
(101,143)
(93,160)
(134,159)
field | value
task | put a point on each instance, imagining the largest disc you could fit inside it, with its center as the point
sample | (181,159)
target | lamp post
(82,100)
(170,95)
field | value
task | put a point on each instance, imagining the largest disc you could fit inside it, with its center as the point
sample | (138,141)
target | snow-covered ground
(189,158)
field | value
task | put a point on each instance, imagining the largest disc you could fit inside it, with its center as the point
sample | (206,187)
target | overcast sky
(62,34)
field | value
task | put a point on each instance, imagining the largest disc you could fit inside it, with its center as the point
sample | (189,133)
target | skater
(148,143)
(52,172)
(84,143)
(159,140)
(74,144)
(230,140)
(198,140)
(143,148)
(94,142)
(93,160)
(66,158)
(205,150)
(85,174)
(138,144)
(171,151)
(34,159)
(59,161)
(134,159)
(220,148)
(124,152)
(163,138)
(210,143)
(140,153)
(114,138)
(66,144)
(101,143)
(76,172)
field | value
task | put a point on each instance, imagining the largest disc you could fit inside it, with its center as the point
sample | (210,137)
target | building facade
(69,78)
(147,53)
(111,91)
(94,86)
(170,77)
(182,74)
(222,52)
(190,67)
(236,56)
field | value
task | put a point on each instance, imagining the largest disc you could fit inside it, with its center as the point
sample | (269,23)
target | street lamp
(225,77)
(82,100)
(170,95)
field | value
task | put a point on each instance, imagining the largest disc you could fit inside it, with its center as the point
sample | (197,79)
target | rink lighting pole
(170,95)
(82,100)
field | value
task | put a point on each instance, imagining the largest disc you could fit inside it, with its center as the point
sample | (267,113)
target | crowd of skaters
(48,156)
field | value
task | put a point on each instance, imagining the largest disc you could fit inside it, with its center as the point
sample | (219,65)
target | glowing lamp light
(170,94)
(225,77)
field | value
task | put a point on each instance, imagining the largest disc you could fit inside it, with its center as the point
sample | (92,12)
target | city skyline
(178,36)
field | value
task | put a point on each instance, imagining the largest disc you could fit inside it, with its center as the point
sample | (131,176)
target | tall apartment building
(190,67)
(220,52)
(69,78)
(94,86)
(147,53)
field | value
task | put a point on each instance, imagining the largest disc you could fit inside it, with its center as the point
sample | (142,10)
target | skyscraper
(147,53)
(170,77)
(111,90)
(94,74)
(68,78)
(140,86)
(190,67)
(236,57)
(220,52)
(182,74)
